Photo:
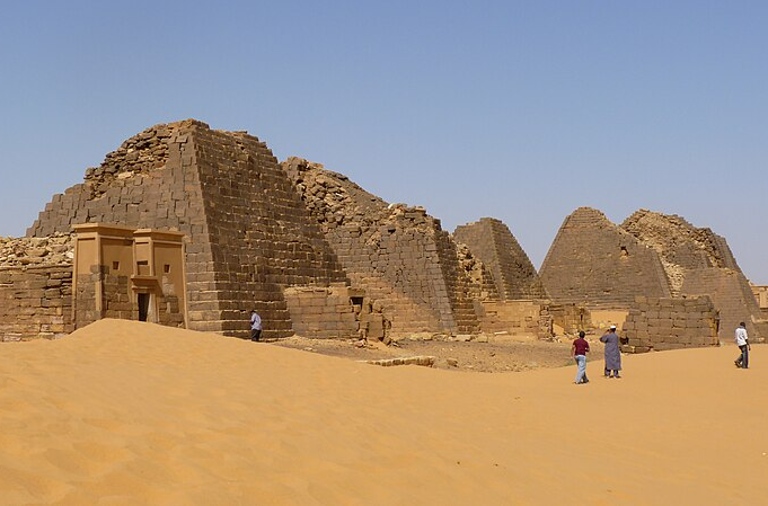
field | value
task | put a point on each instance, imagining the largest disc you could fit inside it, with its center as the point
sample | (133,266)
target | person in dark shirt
(579,352)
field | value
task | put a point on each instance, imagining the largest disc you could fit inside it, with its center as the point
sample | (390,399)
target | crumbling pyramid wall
(699,262)
(480,285)
(249,235)
(399,255)
(514,275)
(596,263)
(35,287)
(665,324)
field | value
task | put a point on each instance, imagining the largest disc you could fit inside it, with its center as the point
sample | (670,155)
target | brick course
(35,302)
(692,322)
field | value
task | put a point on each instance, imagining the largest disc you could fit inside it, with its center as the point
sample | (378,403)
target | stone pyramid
(699,262)
(248,233)
(596,263)
(400,256)
(513,273)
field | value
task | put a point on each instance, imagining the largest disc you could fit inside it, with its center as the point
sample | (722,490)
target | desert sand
(125,412)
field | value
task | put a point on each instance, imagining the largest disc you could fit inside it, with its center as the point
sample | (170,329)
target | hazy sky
(518,110)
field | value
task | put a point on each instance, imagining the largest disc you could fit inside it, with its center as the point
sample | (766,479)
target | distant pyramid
(513,273)
(594,262)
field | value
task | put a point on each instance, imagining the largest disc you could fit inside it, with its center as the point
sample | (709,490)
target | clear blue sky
(519,110)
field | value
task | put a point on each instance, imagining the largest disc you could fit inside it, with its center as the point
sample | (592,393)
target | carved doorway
(143,301)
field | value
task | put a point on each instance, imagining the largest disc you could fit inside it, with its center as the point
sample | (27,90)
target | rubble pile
(36,251)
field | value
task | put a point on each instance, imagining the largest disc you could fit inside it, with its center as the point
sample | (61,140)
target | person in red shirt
(579,352)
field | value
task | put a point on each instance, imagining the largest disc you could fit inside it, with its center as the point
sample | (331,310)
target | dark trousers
(743,360)
(255,334)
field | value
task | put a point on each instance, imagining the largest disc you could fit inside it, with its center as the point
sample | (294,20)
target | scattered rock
(426,361)
(23,251)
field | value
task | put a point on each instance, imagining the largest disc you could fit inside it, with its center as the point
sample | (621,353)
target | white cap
(613,327)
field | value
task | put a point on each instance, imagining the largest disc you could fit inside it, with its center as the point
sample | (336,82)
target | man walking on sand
(579,352)
(742,341)
(612,353)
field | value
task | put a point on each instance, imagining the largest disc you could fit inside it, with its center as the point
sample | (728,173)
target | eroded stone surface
(594,262)
(55,249)
(698,261)
(398,254)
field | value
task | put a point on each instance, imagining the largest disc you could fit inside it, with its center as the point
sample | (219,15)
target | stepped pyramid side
(481,285)
(594,262)
(698,261)
(248,234)
(399,255)
(513,273)
(457,283)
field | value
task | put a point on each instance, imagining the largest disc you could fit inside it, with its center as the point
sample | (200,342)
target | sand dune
(131,413)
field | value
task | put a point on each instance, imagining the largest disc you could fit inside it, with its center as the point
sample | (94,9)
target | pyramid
(699,262)
(514,275)
(598,264)
(399,255)
(248,234)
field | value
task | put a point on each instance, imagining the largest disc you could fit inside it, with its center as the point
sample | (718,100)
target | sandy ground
(131,413)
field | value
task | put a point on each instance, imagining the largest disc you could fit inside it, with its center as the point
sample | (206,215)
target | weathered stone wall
(514,275)
(323,312)
(84,304)
(662,324)
(571,317)
(595,263)
(170,311)
(35,302)
(117,298)
(35,287)
(518,317)
(699,262)
(602,319)
(249,235)
(761,296)
(399,255)
(480,284)
(456,283)
(732,299)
